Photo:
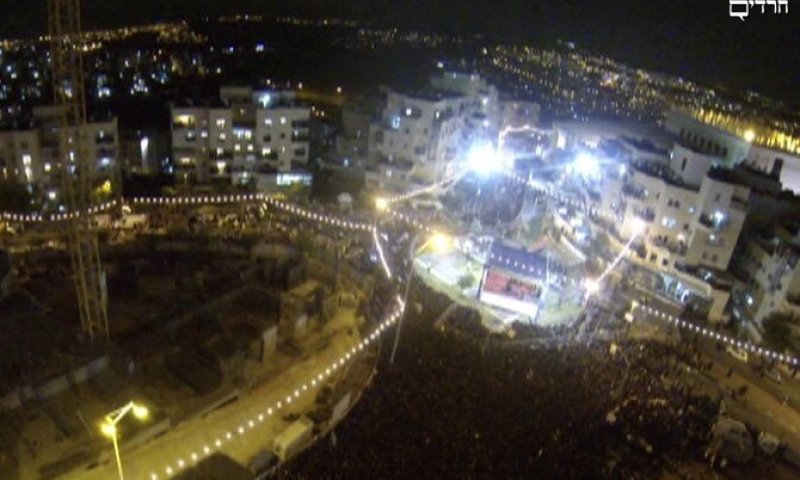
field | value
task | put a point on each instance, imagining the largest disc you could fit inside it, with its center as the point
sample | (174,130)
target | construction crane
(76,169)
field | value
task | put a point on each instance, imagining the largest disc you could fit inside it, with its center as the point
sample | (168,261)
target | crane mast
(76,169)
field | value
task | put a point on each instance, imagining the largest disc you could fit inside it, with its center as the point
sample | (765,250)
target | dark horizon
(698,40)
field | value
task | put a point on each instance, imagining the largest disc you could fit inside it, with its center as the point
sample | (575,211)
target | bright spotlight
(592,286)
(483,159)
(381,204)
(441,243)
(638,226)
(749,136)
(586,166)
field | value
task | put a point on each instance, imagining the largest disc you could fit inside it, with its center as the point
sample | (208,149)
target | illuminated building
(420,133)
(29,156)
(247,131)
(729,149)
(768,271)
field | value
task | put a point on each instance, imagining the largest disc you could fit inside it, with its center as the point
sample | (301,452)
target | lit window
(222,137)
(668,222)
(268,122)
(237,148)
(184,120)
(219,150)
(26,159)
(47,167)
(250,147)
(283,120)
(396,122)
(221,123)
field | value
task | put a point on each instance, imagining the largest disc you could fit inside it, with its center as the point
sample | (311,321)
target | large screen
(510,292)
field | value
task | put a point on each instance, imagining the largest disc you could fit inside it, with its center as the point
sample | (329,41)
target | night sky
(696,38)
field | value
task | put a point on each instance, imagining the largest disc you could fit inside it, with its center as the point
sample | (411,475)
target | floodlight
(381,204)
(483,159)
(592,286)
(441,243)
(638,226)
(586,165)
(749,136)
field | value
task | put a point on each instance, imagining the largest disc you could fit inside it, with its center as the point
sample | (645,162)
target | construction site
(195,323)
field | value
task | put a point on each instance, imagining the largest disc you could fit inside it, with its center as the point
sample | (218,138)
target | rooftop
(518,261)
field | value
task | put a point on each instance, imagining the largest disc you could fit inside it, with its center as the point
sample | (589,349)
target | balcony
(300,138)
(633,192)
(646,214)
(714,221)
(104,140)
(675,248)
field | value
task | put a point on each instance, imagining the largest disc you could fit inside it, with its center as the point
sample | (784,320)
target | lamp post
(109,426)
(440,243)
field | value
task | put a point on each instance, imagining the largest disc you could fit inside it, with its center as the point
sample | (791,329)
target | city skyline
(698,40)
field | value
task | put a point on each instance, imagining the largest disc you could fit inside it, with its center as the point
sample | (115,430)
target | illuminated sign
(510,292)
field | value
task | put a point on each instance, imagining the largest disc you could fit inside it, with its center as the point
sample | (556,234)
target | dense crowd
(453,406)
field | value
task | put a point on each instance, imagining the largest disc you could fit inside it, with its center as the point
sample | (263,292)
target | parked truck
(293,439)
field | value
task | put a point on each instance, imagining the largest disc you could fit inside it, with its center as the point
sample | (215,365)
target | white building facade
(31,156)
(420,134)
(249,132)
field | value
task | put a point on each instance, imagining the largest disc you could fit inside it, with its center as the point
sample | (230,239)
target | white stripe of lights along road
(223,437)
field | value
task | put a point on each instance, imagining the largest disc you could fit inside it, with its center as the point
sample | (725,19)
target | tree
(777,330)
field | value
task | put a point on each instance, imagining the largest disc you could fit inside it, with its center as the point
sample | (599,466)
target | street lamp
(441,243)
(109,426)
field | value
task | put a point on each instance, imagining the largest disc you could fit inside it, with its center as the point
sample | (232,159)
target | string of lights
(196,453)
(380,253)
(408,219)
(742,344)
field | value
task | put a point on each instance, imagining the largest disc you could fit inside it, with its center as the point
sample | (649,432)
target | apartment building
(247,131)
(697,226)
(421,133)
(729,149)
(768,270)
(30,156)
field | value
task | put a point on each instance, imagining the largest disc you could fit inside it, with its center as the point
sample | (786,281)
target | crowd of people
(450,407)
